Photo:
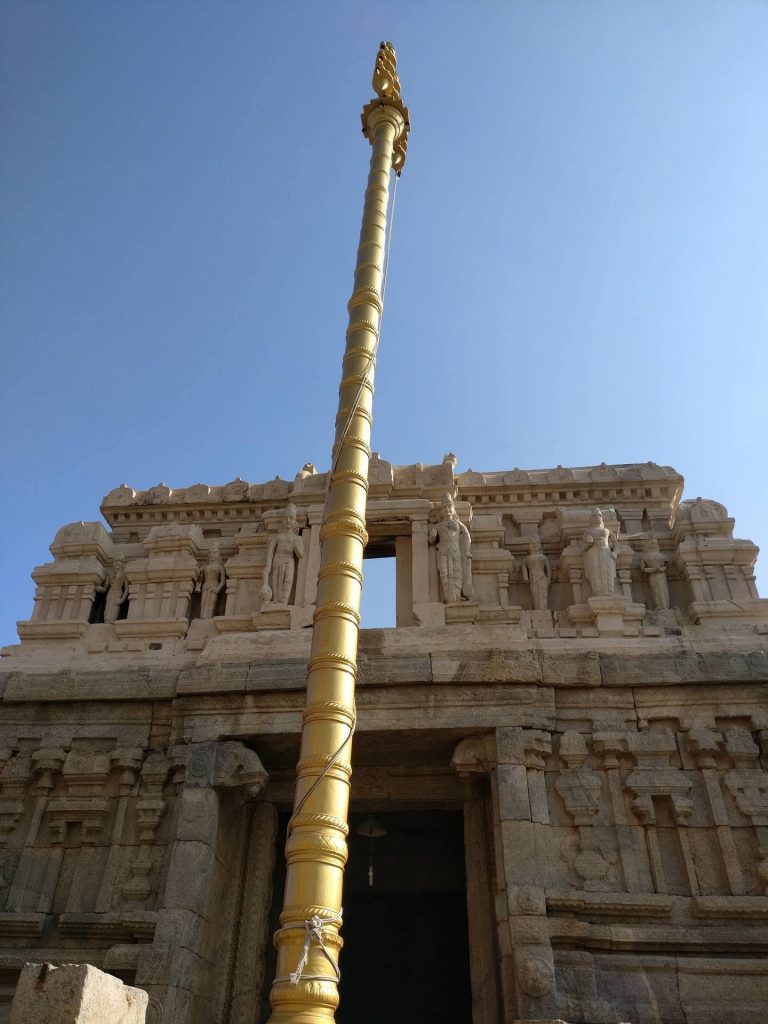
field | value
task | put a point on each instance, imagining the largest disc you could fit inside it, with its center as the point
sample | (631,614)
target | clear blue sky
(578,268)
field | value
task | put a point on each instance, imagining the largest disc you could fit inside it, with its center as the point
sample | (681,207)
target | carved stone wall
(610,751)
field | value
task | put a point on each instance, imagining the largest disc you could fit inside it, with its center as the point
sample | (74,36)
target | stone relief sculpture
(653,566)
(284,549)
(235,490)
(454,557)
(212,583)
(599,556)
(116,587)
(157,495)
(537,573)
(307,470)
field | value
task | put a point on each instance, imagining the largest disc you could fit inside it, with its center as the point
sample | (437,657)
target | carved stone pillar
(127,762)
(45,767)
(312,558)
(185,970)
(475,758)
(244,575)
(427,609)
(706,747)
(527,961)
(253,924)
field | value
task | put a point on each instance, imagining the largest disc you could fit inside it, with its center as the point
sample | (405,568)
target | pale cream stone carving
(195,493)
(454,557)
(212,583)
(157,495)
(235,490)
(536,976)
(122,495)
(653,565)
(307,470)
(599,556)
(284,549)
(116,587)
(537,573)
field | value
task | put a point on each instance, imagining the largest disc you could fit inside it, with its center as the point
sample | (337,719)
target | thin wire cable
(336,453)
(372,354)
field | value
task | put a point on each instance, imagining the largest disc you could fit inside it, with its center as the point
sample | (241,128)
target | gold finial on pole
(386,85)
(305,989)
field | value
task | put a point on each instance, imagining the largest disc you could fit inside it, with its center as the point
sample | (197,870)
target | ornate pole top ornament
(386,85)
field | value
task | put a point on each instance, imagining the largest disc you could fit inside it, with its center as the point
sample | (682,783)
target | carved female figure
(537,573)
(454,557)
(599,556)
(284,548)
(653,565)
(214,578)
(117,590)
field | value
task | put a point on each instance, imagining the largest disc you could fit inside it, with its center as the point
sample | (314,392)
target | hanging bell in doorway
(373,829)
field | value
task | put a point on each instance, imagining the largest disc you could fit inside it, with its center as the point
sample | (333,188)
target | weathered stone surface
(75,994)
(611,761)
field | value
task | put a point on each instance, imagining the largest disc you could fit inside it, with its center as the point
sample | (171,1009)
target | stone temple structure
(560,796)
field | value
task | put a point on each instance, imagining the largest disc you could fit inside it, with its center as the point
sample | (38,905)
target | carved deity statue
(212,583)
(454,557)
(537,573)
(285,547)
(116,587)
(653,565)
(599,556)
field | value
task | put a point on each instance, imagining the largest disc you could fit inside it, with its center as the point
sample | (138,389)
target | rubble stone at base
(75,994)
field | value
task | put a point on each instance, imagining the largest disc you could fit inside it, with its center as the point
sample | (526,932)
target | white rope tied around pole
(314,926)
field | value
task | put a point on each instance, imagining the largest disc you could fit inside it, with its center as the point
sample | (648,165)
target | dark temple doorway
(406,950)
(406,954)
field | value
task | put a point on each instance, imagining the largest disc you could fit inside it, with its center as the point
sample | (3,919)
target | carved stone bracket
(475,754)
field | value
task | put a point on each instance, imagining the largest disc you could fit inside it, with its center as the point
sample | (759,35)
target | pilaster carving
(580,788)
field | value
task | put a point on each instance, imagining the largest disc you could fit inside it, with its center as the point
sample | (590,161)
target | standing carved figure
(117,590)
(284,549)
(599,556)
(654,565)
(537,573)
(454,557)
(214,578)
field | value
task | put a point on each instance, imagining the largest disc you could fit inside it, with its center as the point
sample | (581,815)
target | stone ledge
(612,904)
(26,925)
(142,684)
(51,630)
(137,924)
(739,908)
(150,628)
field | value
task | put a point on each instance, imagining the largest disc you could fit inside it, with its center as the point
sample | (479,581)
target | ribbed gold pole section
(316,849)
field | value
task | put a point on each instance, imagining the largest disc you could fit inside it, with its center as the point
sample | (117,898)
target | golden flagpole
(305,990)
